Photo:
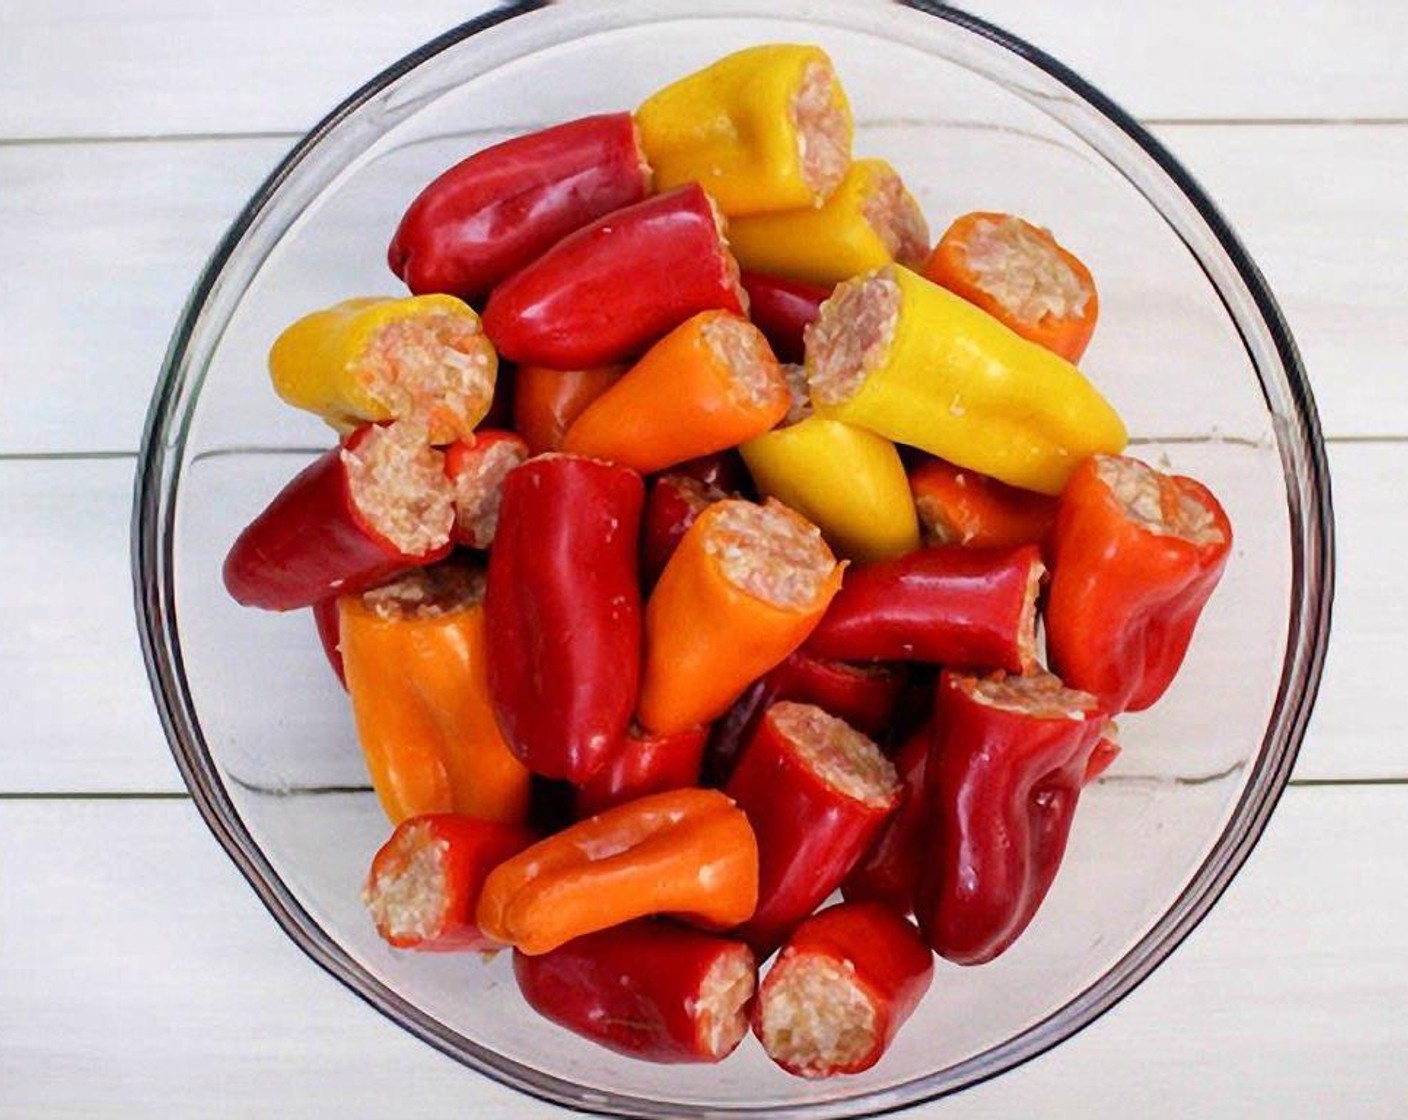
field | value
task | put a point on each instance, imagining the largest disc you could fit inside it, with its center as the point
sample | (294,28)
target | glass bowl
(1191,348)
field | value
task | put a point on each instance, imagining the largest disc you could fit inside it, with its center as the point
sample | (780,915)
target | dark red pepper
(783,309)
(478,468)
(644,763)
(325,618)
(495,212)
(563,612)
(889,869)
(607,291)
(649,989)
(724,470)
(673,503)
(1004,773)
(944,605)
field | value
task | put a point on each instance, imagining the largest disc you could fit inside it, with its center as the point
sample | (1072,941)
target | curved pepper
(478,467)
(870,221)
(420,358)
(647,989)
(415,656)
(673,504)
(563,612)
(325,620)
(783,309)
(687,852)
(889,869)
(425,881)
(546,401)
(745,587)
(493,213)
(901,356)
(816,792)
(963,507)
(1004,773)
(612,288)
(644,763)
(354,517)
(1135,556)
(842,987)
(766,128)
(709,384)
(943,605)
(1018,274)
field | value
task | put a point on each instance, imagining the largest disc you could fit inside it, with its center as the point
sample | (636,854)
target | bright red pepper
(889,869)
(478,468)
(425,881)
(644,763)
(843,985)
(945,605)
(816,791)
(958,506)
(1104,754)
(325,619)
(783,309)
(495,212)
(649,989)
(673,503)
(1135,555)
(356,516)
(607,291)
(1004,773)
(563,612)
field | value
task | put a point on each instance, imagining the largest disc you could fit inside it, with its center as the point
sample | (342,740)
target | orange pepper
(546,401)
(1017,273)
(687,852)
(414,656)
(709,384)
(963,507)
(743,590)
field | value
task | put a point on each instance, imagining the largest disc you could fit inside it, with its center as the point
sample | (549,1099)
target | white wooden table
(139,976)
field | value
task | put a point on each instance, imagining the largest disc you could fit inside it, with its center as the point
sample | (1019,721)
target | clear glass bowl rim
(153,520)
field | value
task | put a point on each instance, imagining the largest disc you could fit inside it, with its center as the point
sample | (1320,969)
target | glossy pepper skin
(941,605)
(495,212)
(672,505)
(685,852)
(963,507)
(737,126)
(478,467)
(1130,578)
(562,612)
(811,830)
(644,763)
(313,542)
(546,401)
(1017,273)
(446,857)
(344,363)
(783,309)
(1002,785)
(648,989)
(708,385)
(950,379)
(608,291)
(862,947)
(889,869)
(325,621)
(415,656)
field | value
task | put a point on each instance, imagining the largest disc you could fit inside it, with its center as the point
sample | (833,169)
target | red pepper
(478,468)
(546,401)
(325,619)
(673,503)
(945,605)
(1135,555)
(889,869)
(648,989)
(816,791)
(723,470)
(424,883)
(958,506)
(644,763)
(563,612)
(607,291)
(843,985)
(340,525)
(1104,754)
(493,213)
(782,309)
(1004,773)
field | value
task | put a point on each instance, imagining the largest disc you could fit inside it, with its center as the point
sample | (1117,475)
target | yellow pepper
(766,128)
(897,354)
(847,481)
(421,358)
(870,221)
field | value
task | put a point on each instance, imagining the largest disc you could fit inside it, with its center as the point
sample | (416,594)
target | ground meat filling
(837,753)
(819,118)
(720,1013)
(895,217)
(801,402)
(408,901)
(815,1016)
(1041,695)
(398,484)
(437,369)
(740,348)
(1153,506)
(769,552)
(479,491)
(851,337)
(1023,272)
(424,593)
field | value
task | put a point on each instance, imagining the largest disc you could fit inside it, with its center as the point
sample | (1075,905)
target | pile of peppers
(680,584)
